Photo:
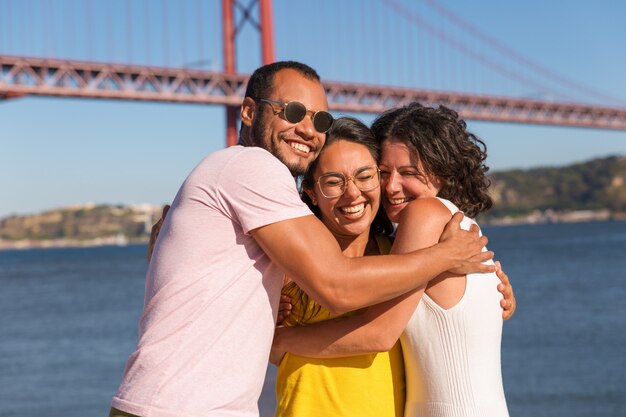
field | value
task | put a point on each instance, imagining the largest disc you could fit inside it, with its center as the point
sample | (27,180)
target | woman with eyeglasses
(431,167)
(342,187)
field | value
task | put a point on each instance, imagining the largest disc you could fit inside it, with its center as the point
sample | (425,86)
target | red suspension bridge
(21,75)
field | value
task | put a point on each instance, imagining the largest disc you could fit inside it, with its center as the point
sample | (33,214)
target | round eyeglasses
(294,112)
(334,184)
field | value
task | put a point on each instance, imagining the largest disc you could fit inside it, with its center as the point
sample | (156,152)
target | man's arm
(508,303)
(307,252)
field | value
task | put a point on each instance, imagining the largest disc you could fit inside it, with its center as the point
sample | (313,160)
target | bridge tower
(264,26)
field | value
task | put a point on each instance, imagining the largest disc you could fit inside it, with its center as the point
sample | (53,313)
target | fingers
(508,308)
(456,219)
(166,208)
(484,268)
(508,303)
(285,304)
(473,267)
(455,222)
(482,257)
(504,279)
(506,290)
(505,285)
(453,227)
(280,319)
(284,309)
(505,309)
(282,315)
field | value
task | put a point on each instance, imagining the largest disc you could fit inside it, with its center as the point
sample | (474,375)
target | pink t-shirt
(211,292)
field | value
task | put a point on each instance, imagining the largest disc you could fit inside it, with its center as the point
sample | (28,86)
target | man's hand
(508,303)
(465,247)
(155,231)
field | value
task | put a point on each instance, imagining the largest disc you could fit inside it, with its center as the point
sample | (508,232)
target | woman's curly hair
(446,149)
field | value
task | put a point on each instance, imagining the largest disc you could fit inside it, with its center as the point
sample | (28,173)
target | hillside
(84,225)
(593,189)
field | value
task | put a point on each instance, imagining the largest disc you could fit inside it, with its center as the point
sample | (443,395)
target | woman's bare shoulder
(425,211)
(420,224)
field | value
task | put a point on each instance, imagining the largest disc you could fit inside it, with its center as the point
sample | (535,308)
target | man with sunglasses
(235,227)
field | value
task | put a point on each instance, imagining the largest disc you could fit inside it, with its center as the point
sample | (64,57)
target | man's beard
(258,131)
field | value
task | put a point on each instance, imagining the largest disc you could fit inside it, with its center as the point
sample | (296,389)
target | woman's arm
(380,326)
(376,330)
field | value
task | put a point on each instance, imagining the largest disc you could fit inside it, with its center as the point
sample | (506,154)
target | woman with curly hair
(431,167)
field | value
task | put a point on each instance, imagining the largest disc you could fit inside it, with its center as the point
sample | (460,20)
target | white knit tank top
(452,357)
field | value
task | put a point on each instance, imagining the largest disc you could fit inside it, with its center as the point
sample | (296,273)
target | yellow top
(359,386)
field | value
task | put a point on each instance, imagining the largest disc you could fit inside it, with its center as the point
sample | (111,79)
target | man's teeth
(353,210)
(395,201)
(300,147)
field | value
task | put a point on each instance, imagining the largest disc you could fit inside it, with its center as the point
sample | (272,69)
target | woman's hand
(508,303)
(284,309)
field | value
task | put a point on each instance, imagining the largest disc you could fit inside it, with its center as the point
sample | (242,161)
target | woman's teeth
(353,211)
(395,201)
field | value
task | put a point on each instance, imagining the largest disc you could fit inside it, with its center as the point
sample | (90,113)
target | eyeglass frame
(284,105)
(349,178)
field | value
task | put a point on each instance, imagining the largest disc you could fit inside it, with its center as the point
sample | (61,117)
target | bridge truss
(20,76)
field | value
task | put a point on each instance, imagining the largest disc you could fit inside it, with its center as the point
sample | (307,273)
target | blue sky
(57,152)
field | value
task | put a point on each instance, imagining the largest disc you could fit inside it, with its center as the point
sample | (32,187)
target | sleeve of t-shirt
(258,190)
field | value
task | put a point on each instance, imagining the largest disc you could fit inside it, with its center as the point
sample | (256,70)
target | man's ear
(248,111)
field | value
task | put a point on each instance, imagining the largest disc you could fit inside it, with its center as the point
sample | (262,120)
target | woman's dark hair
(351,130)
(445,148)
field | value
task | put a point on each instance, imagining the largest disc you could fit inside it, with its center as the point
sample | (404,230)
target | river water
(68,321)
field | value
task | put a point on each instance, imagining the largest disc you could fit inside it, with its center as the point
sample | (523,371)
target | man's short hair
(261,80)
